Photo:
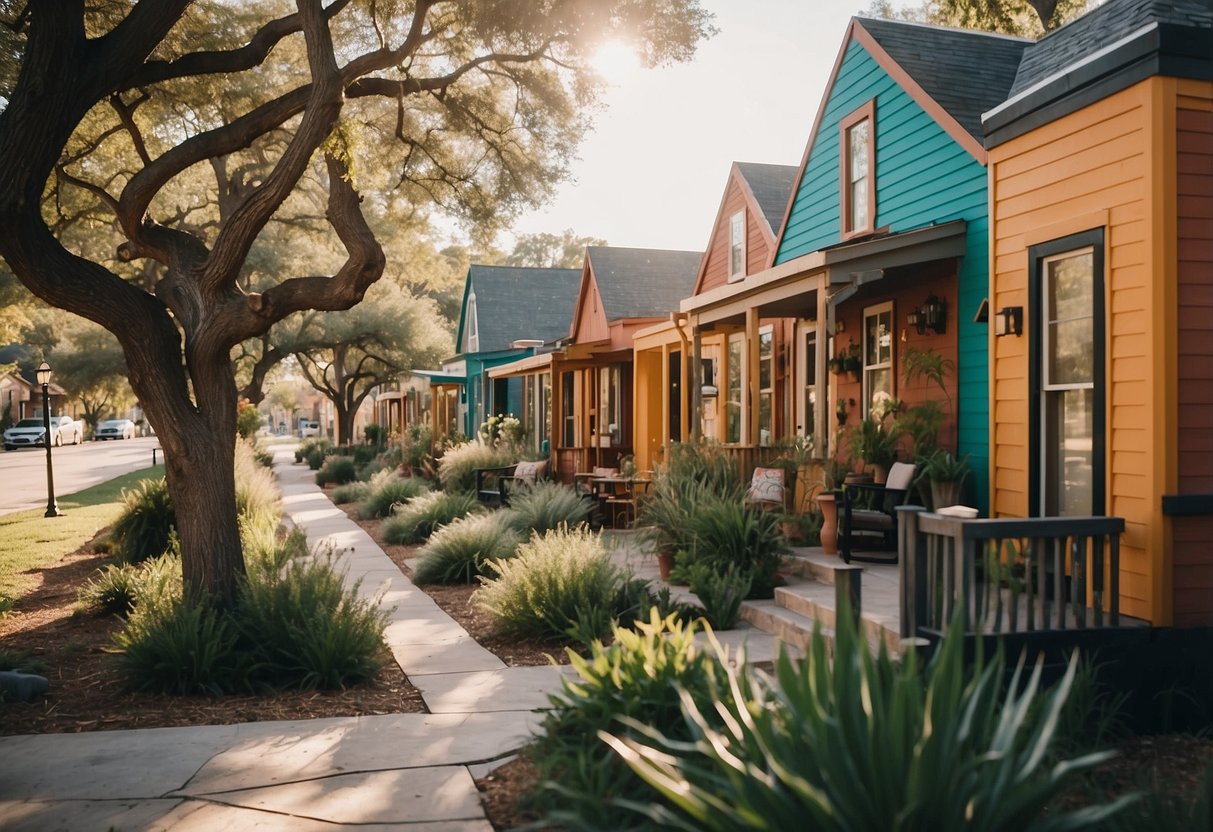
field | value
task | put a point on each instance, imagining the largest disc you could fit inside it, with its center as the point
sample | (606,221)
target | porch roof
(523,366)
(783,290)
(441,377)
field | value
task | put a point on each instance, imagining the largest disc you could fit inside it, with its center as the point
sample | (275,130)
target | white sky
(652,173)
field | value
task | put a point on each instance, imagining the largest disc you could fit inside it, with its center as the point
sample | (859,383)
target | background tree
(445,106)
(1026,18)
(373,343)
(90,366)
(551,251)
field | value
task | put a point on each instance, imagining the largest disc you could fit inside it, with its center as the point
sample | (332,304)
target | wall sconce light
(935,314)
(914,319)
(1009,321)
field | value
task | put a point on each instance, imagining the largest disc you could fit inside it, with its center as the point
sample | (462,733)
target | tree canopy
(115,111)
(1026,18)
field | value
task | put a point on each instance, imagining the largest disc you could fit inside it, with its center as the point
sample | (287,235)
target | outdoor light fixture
(914,319)
(935,314)
(44,378)
(1009,321)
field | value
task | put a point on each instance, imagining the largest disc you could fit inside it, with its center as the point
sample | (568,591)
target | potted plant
(875,445)
(846,361)
(946,473)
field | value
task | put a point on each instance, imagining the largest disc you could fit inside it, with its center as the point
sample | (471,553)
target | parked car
(115,429)
(29,433)
(308,427)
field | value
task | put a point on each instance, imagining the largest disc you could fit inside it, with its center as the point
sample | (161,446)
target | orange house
(1101,255)
(741,243)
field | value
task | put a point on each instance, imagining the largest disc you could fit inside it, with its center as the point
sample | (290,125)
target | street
(23,472)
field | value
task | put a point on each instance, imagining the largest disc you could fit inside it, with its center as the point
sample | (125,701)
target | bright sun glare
(615,60)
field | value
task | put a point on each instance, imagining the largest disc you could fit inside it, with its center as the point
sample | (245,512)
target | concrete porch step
(816,601)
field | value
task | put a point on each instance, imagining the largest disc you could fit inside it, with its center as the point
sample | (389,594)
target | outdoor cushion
(766,486)
(900,476)
(530,470)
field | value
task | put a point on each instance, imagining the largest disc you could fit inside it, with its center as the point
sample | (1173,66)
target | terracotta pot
(829,523)
(665,562)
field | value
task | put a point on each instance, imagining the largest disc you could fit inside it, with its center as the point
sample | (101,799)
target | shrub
(248,421)
(336,469)
(948,749)
(727,533)
(639,676)
(266,549)
(552,582)
(315,445)
(363,454)
(417,519)
(417,448)
(376,435)
(147,523)
(111,591)
(264,458)
(181,647)
(308,630)
(351,492)
(258,500)
(391,491)
(461,551)
(543,506)
(720,593)
(457,468)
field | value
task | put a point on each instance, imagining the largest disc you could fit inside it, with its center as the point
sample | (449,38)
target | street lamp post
(44,378)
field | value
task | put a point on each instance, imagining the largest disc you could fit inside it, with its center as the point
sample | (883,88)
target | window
(542,429)
(737,246)
(473,333)
(1067,327)
(858,170)
(766,384)
(806,374)
(610,406)
(568,412)
(877,359)
(733,374)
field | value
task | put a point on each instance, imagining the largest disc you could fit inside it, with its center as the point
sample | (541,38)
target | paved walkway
(396,772)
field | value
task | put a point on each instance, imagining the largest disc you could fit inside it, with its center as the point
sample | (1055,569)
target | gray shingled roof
(642,282)
(1101,27)
(519,302)
(771,186)
(964,71)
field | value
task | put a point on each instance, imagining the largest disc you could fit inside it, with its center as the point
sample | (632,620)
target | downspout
(684,414)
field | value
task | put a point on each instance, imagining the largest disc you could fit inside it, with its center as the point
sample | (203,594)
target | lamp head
(44,373)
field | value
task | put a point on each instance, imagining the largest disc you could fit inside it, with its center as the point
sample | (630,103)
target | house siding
(758,249)
(922,176)
(1089,169)
(1192,537)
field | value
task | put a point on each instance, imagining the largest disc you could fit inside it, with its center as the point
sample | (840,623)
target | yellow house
(1101,261)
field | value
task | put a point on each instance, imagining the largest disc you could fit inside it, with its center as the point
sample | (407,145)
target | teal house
(882,255)
(508,313)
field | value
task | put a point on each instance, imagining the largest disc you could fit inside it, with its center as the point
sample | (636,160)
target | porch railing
(1008,575)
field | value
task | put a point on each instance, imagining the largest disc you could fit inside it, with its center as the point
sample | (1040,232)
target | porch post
(696,382)
(751,405)
(823,411)
(553,421)
(665,403)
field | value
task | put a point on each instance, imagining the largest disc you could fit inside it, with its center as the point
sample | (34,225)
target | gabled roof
(1102,26)
(517,302)
(771,186)
(966,72)
(642,282)
(1109,49)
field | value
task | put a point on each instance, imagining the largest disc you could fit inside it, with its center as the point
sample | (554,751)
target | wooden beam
(750,407)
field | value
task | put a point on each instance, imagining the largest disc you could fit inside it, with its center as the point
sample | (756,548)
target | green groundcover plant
(415,520)
(459,552)
(854,741)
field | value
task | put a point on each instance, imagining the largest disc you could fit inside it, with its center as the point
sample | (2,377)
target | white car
(29,433)
(115,429)
(308,427)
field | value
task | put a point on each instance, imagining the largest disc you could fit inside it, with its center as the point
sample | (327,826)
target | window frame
(766,335)
(735,370)
(866,112)
(473,325)
(872,311)
(1039,409)
(737,246)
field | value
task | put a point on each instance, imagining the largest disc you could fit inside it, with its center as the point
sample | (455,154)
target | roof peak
(941,28)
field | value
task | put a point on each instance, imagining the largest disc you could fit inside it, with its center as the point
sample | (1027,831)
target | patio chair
(868,508)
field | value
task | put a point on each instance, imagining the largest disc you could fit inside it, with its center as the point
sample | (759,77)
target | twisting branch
(126,115)
(96,190)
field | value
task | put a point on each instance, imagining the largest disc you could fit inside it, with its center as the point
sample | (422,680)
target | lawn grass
(28,540)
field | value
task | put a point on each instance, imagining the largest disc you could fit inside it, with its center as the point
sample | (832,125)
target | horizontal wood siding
(1044,184)
(1192,537)
(758,250)
(922,176)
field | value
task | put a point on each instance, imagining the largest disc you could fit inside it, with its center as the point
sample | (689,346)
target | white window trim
(473,333)
(868,312)
(737,242)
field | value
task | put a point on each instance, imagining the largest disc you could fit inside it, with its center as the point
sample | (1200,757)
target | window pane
(733,398)
(766,343)
(857,138)
(880,389)
(1072,427)
(1069,286)
(1072,357)
(859,205)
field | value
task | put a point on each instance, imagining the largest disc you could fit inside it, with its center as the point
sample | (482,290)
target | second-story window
(858,169)
(472,325)
(737,246)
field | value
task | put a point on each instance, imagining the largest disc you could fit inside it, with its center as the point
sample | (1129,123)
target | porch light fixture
(935,315)
(1009,321)
(914,319)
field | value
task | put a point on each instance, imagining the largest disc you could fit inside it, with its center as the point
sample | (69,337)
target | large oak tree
(471,107)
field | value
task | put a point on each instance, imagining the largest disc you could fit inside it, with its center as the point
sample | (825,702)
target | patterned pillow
(530,470)
(766,486)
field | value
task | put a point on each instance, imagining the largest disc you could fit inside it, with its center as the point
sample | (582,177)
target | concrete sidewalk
(393,772)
